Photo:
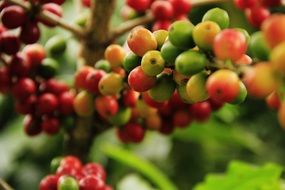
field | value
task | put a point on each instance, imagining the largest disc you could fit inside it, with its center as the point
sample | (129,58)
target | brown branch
(78,32)
(4,185)
(129,25)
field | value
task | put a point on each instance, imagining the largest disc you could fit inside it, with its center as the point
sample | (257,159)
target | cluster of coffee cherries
(27,76)
(164,11)
(71,174)
(15,17)
(257,10)
(266,78)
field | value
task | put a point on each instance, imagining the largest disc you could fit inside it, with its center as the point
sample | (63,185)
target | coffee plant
(157,71)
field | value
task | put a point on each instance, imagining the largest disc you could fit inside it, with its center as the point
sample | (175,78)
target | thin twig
(4,185)
(78,32)
(129,25)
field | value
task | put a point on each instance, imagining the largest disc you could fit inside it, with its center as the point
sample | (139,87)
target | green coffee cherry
(56,45)
(258,47)
(48,68)
(169,53)
(122,117)
(131,61)
(103,64)
(152,63)
(219,16)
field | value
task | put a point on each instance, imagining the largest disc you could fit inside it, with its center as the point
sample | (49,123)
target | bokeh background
(248,132)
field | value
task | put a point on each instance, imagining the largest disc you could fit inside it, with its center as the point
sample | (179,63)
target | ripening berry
(24,88)
(49,182)
(13,16)
(30,33)
(223,85)
(9,43)
(139,5)
(243,4)
(230,44)
(181,7)
(201,111)
(32,125)
(20,66)
(35,53)
(162,10)
(83,104)
(50,125)
(65,102)
(94,169)
(47,104)
(54,9)
(91,183)
(257,15)
(115,54)
(141,40)
(106,106)
(273,101)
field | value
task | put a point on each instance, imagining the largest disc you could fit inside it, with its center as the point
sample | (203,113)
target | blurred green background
(249,132)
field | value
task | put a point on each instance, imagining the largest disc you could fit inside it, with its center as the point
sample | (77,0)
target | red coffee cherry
(162,10)
(65,101)
(257,15)
(50,125)
(24,88)
(55,87)
(9,43)
(181,7)
(26,106)
(32,125)
(35,53)
(5,79)
(201,111)
(243,4)
(91,183)
(49,183)
(181,118)
(94,169)
(20,65)
(30,33)
(92,80)
(13,16)
(135,132)
(139,5)
(166,127)
(47,104)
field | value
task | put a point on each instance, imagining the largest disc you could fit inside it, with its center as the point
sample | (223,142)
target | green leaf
(144,167)
(133,181)
(243,176)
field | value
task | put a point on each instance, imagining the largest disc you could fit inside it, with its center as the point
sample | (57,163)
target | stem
(4,185)
(77,31)
(129,25)
(197,3)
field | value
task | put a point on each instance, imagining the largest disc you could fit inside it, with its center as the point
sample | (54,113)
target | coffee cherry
(190,62)
(162,10)
(24,88)
(131,61)
(94,169)
(141,40)
(71,161)
(56,45)
(223,90)
(139,81)
(106,106)
(163,88)
(181,7)
(160,36)
(152,63)
(81,76)
(49,183)
(153,122)
(151,102)
(201,111)
(92,80)
(244,60)
(130,98)
(20,65)
(111,84)
(180,34)
(9,43)
(47,104)
(48,68)
(135,132)
(26,106)
(260,80)
(13,16)
(54,86)
(258,47)
(83,104)
(169,53)
(273,101)
(65,101)
(196,88)
(271,3)
(54,9)
(139,5)
(50,125)
(122,117)
(32,125)
(241,96)
(257,15)
(103,65)
(166,127)
(35,54)
(230,44)
(30,33)
(205,33)
(161,25)
(115,54)
(243,4)
(181,119)
(273,29)
(219,16)
(91,183)
(5,79)
(67,183)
